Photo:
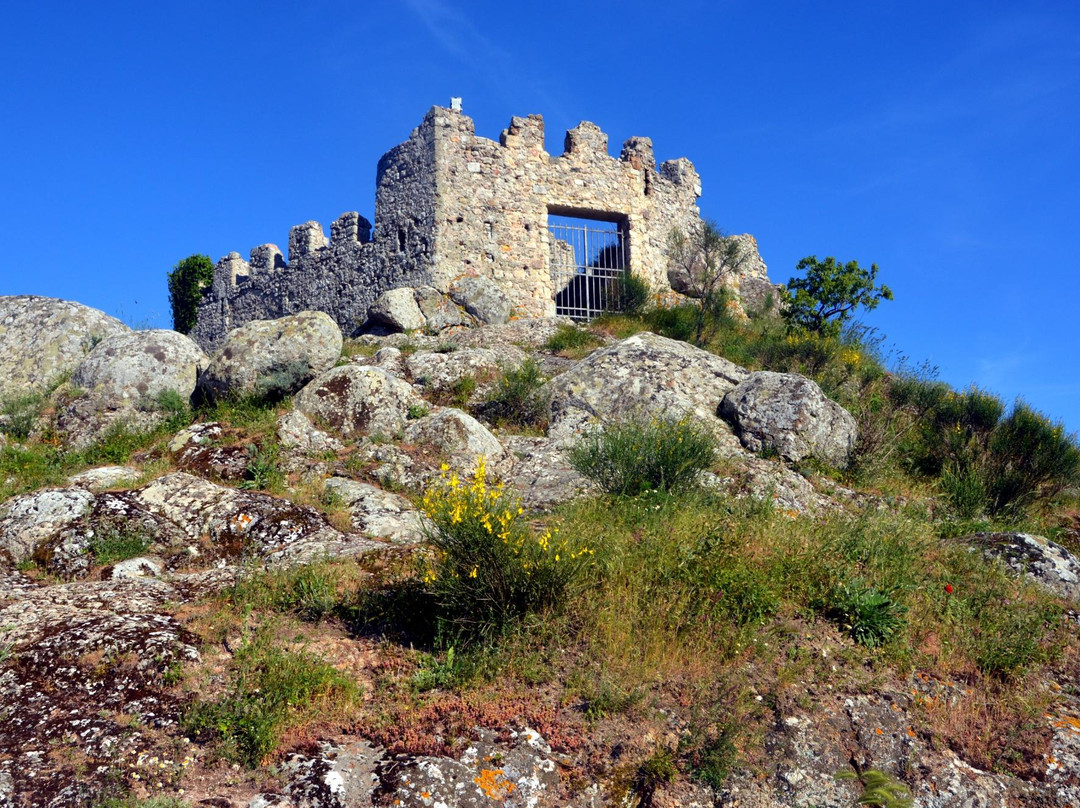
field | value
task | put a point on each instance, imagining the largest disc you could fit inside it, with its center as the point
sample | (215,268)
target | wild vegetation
(656,598)
(187,282)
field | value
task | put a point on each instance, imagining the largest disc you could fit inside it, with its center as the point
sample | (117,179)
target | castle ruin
(450,204)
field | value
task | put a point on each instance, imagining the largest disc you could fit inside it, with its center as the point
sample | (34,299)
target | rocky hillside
(224,581)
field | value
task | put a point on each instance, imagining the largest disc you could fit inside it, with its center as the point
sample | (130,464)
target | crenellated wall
(449,203)
(493,200)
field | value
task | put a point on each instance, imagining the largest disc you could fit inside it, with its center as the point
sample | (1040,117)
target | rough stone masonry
(450,204)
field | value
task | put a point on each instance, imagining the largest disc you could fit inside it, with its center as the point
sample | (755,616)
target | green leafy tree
(705,257)
(830,292)
(187,281)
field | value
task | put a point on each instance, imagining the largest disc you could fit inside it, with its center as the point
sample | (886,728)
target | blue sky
(940,140)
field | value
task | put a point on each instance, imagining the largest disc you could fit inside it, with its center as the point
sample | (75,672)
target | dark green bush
(870,616)
(517,399)
(188,281)
(985,461)
(1029,458)
(629,458)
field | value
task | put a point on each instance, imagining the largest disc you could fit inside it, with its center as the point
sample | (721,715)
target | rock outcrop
(140,365)
(354,400)
(42,338)
(273,357)
(788,413)
(397,309)
(1047,563)
(647,375)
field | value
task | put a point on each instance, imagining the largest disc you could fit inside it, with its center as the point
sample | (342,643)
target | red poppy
(948,588)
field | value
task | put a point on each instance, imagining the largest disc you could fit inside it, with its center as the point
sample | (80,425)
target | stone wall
(449,203)
(493,201)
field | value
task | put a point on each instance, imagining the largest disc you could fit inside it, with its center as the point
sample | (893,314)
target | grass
(270,689)
(572,341)
(118,544)
(19,414)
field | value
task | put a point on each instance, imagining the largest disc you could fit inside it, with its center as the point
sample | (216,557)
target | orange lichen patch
(879,731)
(1069,721)
(493,784)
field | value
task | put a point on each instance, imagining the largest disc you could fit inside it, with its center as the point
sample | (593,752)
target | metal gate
(588,265)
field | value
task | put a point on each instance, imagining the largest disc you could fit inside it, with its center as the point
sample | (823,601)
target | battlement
(450,203)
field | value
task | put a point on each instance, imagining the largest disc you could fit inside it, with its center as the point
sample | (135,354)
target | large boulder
(789,414)
(443,373)
(141,364)
(460,438)
(397,310)
(482,298)
(355,400)
(273,357)
(29,519)
(439,311)
(42,338)
(543,476)
(645,374)
(378,513)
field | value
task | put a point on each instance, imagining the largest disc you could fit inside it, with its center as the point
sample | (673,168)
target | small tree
(705,257)
(830,292)
(187,281)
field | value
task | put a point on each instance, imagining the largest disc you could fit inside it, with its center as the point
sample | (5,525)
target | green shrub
(19,414)
(263,472)
(271,688)
(571,338)
(653,772)
(417,411)
(965,490)
(713,761)
(633,294)
(1029,458)
(487,567)
(312,594)
(870,616)
(677,322)
(188,281)
(459,393)
(629,458)
(517,399)
(440,672)
(984,460)
(112,544)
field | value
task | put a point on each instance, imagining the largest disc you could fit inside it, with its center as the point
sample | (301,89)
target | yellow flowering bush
(487,566)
